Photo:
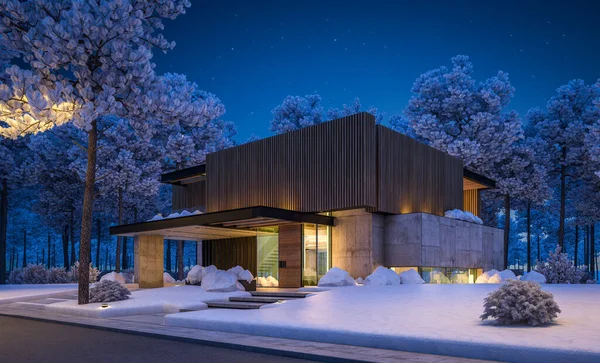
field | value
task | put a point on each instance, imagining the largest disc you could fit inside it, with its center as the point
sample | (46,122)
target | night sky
(252,54)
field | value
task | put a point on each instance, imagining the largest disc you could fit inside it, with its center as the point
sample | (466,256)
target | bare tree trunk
(593,249)
(12,259)
(119,238)
(576,244)
(506,227)
(49,242)
(586,247)
(528,236)
(168,255)
(179,260)
(86,217)
(53,255)
(72,235)
(563,197)
(106,259)
(65,245)
(24,248)
(99,236)
(3,229)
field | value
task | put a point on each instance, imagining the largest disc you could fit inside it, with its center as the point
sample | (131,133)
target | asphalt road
(23,340)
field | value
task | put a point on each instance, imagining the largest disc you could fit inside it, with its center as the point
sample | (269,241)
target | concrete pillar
(149,260)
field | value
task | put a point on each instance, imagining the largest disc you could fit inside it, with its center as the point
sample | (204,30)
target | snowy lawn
(147,301)
(438,319)
(10,293)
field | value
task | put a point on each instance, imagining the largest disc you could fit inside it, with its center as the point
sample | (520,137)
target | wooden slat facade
(413,177)
(472,201)
(228,253)
(290,252)
(191,196)
(326,167)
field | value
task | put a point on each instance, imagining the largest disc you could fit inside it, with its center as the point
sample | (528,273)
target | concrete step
(257,299)
(281,294)
(233,305)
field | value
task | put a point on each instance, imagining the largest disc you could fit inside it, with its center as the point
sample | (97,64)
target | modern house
(346,193)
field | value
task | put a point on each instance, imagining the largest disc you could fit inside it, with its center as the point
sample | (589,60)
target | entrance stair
(258,299)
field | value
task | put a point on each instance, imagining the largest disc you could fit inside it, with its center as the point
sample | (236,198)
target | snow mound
(173,215)
(246,275)
(534,276)
(219,281)
(195,274)
(382,276)
(157,217)
(113,276)
(197,212)
(359,280)
(209,270)
(236,270)
(269,281)
(495,277)
(337,277)
(411,277)
(185,213)
(463,216)
(168,279)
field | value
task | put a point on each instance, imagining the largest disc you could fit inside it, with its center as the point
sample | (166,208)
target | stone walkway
(152,325)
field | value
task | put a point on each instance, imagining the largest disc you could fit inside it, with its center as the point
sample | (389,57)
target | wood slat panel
(472,201)
(231,252)
(326,167)
(414,177)
(290,251)
(189,196)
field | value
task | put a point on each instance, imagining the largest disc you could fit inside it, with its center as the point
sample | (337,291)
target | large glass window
(267,242)
(448,275)
(316,257)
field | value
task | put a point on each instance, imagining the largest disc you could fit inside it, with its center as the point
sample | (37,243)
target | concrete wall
(421,239)
(357,241)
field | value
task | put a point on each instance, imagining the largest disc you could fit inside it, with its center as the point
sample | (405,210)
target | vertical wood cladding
(326,167)
(230,252)
(290,251)
(414,177)
(189,196)
(472,201)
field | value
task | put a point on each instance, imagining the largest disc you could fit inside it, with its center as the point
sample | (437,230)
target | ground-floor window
(444,275)
(316,248)
(267,244)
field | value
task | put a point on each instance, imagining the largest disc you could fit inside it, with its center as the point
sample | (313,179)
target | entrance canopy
(219,225)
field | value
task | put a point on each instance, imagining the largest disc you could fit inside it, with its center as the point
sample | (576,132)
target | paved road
(23,340)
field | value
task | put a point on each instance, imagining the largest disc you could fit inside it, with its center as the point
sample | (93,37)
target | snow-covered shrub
(209,270)
(558,269)
(383,276)
(113,276)
(236,270)
(35,274)
(534,276)
(520,302)
(269,281)
(507,274)
(484,277)
(337,277)
(107,291)
(75,273)
(411,277)
(128,275)
(194,276)
(246,275)
(463,216)
(168,279)
(16,276)
(219,281)
(58,275)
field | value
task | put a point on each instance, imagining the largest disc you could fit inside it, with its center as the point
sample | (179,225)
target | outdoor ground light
(104,305)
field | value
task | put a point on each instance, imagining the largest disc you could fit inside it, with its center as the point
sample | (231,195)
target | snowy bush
(337,277)
(16,276)
(194,276)
(209,270)
(35,274)
(107,291)
(534,276)
(246,275)
(113,276)
(383,276)
(558,269)
(463,216)
(520,302)
(58,275)
(75,274)
(128,275)
(168,279)
(411,277)
(219,281)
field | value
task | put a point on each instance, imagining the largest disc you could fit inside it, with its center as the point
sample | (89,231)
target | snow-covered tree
(562,127)
(85,60)
(558,269)
(7,164)
(353,108)
(453,113)
(296,112)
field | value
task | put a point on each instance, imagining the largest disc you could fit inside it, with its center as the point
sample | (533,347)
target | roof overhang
(472,180)
(185,176)
(218,225)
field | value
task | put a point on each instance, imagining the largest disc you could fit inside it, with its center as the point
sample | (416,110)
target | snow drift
(411,277)
(219,281)
(337,277)
(534,276)
(463,216)
(382,276)
(113,276)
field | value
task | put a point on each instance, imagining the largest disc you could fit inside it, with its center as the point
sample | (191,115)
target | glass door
(316,258)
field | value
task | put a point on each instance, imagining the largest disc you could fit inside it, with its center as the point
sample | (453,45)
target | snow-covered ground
(147,301)
(438,319)
(10,293)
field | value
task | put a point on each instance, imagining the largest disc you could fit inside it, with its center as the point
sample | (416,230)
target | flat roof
(218,225)
(184,176)
(476,181)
